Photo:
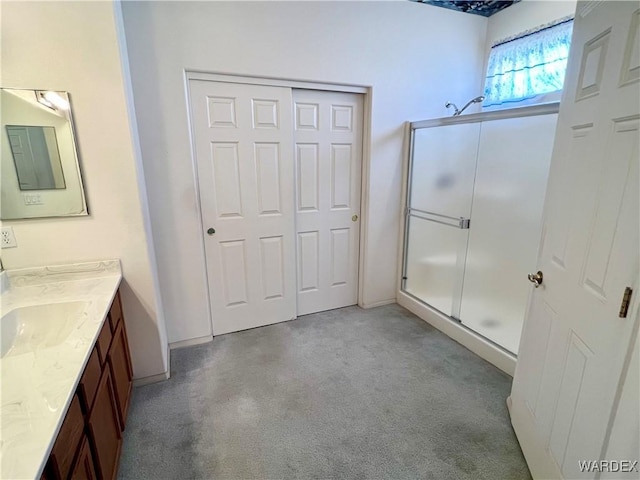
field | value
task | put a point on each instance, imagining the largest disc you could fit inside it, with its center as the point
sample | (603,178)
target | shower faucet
(457,111)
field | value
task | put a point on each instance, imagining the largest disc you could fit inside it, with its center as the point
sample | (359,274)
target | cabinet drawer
(67,443)
(115,314)
(104,340)
(89,381)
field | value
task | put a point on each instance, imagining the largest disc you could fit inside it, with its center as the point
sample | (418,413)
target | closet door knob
(535,278)
(211,231)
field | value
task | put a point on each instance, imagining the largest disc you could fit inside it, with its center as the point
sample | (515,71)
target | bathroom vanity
(66,372)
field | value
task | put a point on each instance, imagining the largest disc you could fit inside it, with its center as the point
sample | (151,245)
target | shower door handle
(460,222)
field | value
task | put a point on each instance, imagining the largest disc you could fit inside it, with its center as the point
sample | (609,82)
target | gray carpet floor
(343,394)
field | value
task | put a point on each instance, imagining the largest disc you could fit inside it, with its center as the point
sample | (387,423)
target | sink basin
(27,329)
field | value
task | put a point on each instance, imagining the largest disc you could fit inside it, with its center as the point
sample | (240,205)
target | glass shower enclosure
(473,215)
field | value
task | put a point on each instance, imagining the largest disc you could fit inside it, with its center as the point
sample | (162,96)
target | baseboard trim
(478,345)
(377,304)
(191,342)
(161,377)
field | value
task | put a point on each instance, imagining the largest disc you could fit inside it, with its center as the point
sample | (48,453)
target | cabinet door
(67,443)
(83,468)
(120,368)
(104,429)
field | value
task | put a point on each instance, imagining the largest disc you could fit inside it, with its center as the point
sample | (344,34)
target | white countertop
(37,381)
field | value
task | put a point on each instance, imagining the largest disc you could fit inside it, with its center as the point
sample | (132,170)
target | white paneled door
(279,181)
(328,159)
(575,345)
(244,156)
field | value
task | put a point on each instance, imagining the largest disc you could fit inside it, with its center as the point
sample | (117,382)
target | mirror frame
(76,152)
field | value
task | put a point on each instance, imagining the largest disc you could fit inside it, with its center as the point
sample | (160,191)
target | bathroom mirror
(39,161)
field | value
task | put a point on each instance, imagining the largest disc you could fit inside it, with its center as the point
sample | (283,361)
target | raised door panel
(89,381)
(84,468)
(115,313)
(341,166)
(226,178)
(267,160)
(272,262)
(340,250)
(233,257)
(308,261)
(104,340)
(104,429)
(308,179)
(121,373)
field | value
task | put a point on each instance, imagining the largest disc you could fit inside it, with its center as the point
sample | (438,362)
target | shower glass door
(473,218)
(511,178)
(441,177)
(432,271)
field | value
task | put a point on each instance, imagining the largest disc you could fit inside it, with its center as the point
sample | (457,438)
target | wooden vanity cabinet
(121,372)
(89,442)
(61,459)
(103,425)
(84,466)
(89,381)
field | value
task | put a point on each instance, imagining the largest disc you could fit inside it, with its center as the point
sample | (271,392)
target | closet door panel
(243,145)
(511,180)
(328,159)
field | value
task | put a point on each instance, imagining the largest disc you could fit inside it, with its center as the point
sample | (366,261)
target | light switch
(32,198)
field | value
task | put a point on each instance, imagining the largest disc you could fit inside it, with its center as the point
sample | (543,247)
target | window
(529,65)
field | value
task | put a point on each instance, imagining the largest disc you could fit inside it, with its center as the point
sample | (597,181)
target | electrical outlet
(8,238)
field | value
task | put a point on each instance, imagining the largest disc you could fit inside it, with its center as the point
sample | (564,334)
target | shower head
(475,100)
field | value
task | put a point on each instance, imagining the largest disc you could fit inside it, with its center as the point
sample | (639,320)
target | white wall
(72,46)
(414,56)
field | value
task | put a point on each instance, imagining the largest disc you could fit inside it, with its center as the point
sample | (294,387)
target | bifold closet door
(244,155)
(328,158)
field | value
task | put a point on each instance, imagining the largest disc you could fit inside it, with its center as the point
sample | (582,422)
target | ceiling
(486,8)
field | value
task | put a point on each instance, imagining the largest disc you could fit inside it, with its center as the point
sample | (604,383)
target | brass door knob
(535,278)
(354,218)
